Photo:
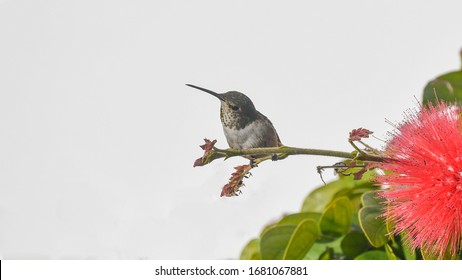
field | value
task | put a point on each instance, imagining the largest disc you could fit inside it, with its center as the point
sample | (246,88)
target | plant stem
(285,151)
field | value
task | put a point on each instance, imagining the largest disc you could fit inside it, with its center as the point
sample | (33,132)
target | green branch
(285,151)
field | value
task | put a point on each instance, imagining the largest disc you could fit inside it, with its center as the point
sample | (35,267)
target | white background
(98,132)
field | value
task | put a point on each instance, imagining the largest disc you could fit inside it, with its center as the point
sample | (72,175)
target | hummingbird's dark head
(237,103)
(237,110)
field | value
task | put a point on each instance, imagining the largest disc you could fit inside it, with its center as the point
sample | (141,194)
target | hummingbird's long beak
(217,95)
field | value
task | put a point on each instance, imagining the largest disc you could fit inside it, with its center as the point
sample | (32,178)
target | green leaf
(371,222)
(251,251)
(373,255)
(354,194)
(409,254)
(370,199)
(447,87)
(336,219)
(356,191)
(318,251)
(317,200)
(433,255)
(295,219)
(390,254)
(274,241)
(303,238)
(327,255)
(373,226)
(354,243)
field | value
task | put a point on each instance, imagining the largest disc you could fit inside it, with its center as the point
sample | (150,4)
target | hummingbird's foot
(275,157)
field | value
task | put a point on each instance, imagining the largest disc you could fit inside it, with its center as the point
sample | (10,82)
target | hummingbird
(243,125)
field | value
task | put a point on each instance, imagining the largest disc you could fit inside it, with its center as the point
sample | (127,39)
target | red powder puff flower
(424,198)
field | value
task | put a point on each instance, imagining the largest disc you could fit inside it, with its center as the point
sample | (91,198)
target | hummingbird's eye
(235,108)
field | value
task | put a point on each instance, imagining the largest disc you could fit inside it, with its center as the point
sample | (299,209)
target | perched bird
(243,125)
